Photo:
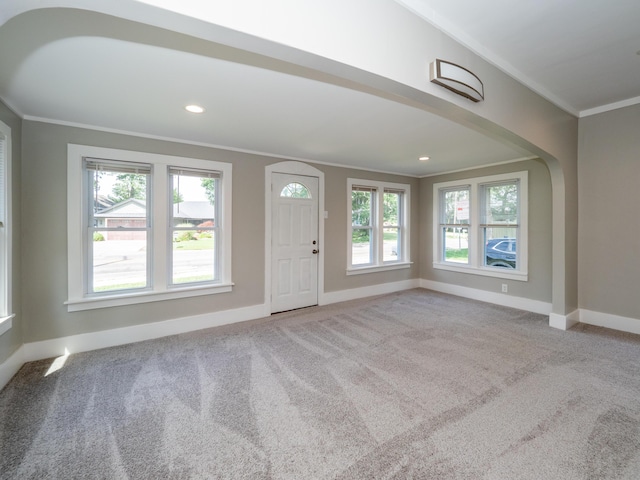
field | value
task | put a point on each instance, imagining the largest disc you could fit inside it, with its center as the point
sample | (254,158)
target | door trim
(291,168)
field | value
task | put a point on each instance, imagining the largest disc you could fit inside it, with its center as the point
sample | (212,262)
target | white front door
(294,241)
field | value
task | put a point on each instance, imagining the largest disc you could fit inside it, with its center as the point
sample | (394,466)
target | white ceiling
(583,55)
(73,67)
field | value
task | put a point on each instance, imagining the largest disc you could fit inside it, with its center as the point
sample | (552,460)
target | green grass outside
(202,244)
(121,286)
(364,239)
(129,286)
(197,278)
(457,255)
(390,236)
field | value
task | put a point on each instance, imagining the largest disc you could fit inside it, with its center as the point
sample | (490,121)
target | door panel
(284,230)
(305,271)
(295,239)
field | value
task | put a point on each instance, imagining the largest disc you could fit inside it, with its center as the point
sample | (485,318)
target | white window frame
(377,264)
(476,265)
(161,201)
(6,314)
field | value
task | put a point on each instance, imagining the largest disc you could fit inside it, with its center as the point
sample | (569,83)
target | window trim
(475,266)
(161,288)
(377,227)
(6,231)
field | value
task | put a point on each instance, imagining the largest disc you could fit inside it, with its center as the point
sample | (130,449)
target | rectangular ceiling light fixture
(457,79)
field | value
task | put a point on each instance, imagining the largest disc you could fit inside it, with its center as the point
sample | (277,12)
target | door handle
(315,252)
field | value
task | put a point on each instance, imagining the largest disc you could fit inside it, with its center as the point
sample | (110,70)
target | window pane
(500,247)
(118,195)
(391,246)
(118,200)
(194,226)
(295,190)
(194,257)
(392,204)
(119,260)
(361,203)
(118,223)
(501,204)
(456,244)
(361,246)
(455,208)
(194,200)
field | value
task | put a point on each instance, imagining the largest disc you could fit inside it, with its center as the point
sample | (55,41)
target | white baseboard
(362,292)
(536,306)
(615,322)
(120,336)
(10,366)
(564,322)
(137,333)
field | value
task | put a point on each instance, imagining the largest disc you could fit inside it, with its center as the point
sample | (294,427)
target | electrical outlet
(505,288)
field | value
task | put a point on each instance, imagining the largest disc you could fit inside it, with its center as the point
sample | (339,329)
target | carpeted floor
(410,385)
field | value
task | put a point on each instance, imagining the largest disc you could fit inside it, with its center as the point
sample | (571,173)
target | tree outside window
(378,223)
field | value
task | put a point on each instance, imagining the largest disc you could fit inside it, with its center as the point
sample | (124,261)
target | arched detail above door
(295,190)
(295,168)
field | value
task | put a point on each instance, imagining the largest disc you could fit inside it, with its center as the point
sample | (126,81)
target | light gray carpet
(409,385)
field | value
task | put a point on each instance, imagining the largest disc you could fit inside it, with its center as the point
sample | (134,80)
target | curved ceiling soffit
(255,52)
(52,24)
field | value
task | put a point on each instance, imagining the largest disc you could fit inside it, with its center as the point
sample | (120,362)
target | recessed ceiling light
(194,109)
(423,159)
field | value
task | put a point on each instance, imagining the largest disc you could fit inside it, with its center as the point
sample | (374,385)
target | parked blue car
(501,252)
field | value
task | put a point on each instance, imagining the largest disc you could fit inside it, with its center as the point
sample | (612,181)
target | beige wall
(609,197)
(11,340)
(538,286)
(44,196)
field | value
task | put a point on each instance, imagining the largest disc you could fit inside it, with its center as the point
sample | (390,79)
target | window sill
(6,323)
(92,303)
(378,268)
(487,272)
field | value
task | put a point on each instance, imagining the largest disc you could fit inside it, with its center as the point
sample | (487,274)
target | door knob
(315,252)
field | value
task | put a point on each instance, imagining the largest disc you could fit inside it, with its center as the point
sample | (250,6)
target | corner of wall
(10,366)
(564,322)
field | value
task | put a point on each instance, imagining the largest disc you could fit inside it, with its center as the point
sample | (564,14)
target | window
(195,227)
(5,228)
(480,226)
(455,224)
(150,227)
(295,190)
(379,226)
(118,229)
